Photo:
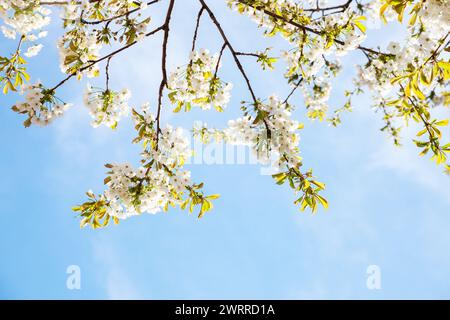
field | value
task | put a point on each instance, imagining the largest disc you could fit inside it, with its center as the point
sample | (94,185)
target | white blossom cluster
(372,12)
(77,48)
(81,44)
(106,106)
(351,37)
(198,84)
(24,19)
(424,38)
(133,191)
(316,98)
(309,59)
(273,137)
(41,106)
(173,147)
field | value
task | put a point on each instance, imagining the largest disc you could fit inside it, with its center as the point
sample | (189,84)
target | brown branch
(197,25)
(104,58)
(293,90)
(341,7)
(82,20)
(218,60)
(107,73)
(317,32)
(230,47)
(251,54)
(56,3)
(166,29)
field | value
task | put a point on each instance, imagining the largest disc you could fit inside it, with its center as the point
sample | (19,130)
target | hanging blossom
(423,40)
(309,60)
(414,76)
(106,107)
(77,48)
(81,43)
(22,21)
(270,132)
(161,180)
(198,83)
(273,138)
(23,18)
(41,105)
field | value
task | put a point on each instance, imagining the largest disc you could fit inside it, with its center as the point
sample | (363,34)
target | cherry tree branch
(251,54)
(92,63)
(107,73)
(311,30)
(197,25)
(296,86)
(230,47)
(82,20)
(166,29)
(341,7)
(220,58)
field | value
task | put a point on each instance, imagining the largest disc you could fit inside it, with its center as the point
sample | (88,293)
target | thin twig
(197,25)
(82,20)
(293,90)
(248,54)
(220,58)
(104,58)
(107,73)
(230,47)
(317,32)
(166,28)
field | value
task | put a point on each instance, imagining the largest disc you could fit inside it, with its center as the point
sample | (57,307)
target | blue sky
(388,207)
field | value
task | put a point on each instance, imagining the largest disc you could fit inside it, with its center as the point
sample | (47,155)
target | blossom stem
(230,47)
(295,24)
(166,29)
(82,20)
(110,55)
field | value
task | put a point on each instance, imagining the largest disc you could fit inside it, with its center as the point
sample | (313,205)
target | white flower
(106,107)
(40,105)
(8,33)
(393,47)
(198,84)
(33,50)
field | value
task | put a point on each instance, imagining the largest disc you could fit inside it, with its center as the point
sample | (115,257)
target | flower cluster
(273,137)
(418,52)
(198,83)
(316,98)
(81,44)
(77,48)
(106,106)
(134,191)
(271,133)
(23,17)
(161,180)
(173,147)
(41,105)
(329,36)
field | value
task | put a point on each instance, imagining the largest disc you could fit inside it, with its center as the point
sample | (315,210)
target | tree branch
(293,90)
(82,20)
(104,58)
(230,47)
(166,29)
(197,25)
(317,32)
